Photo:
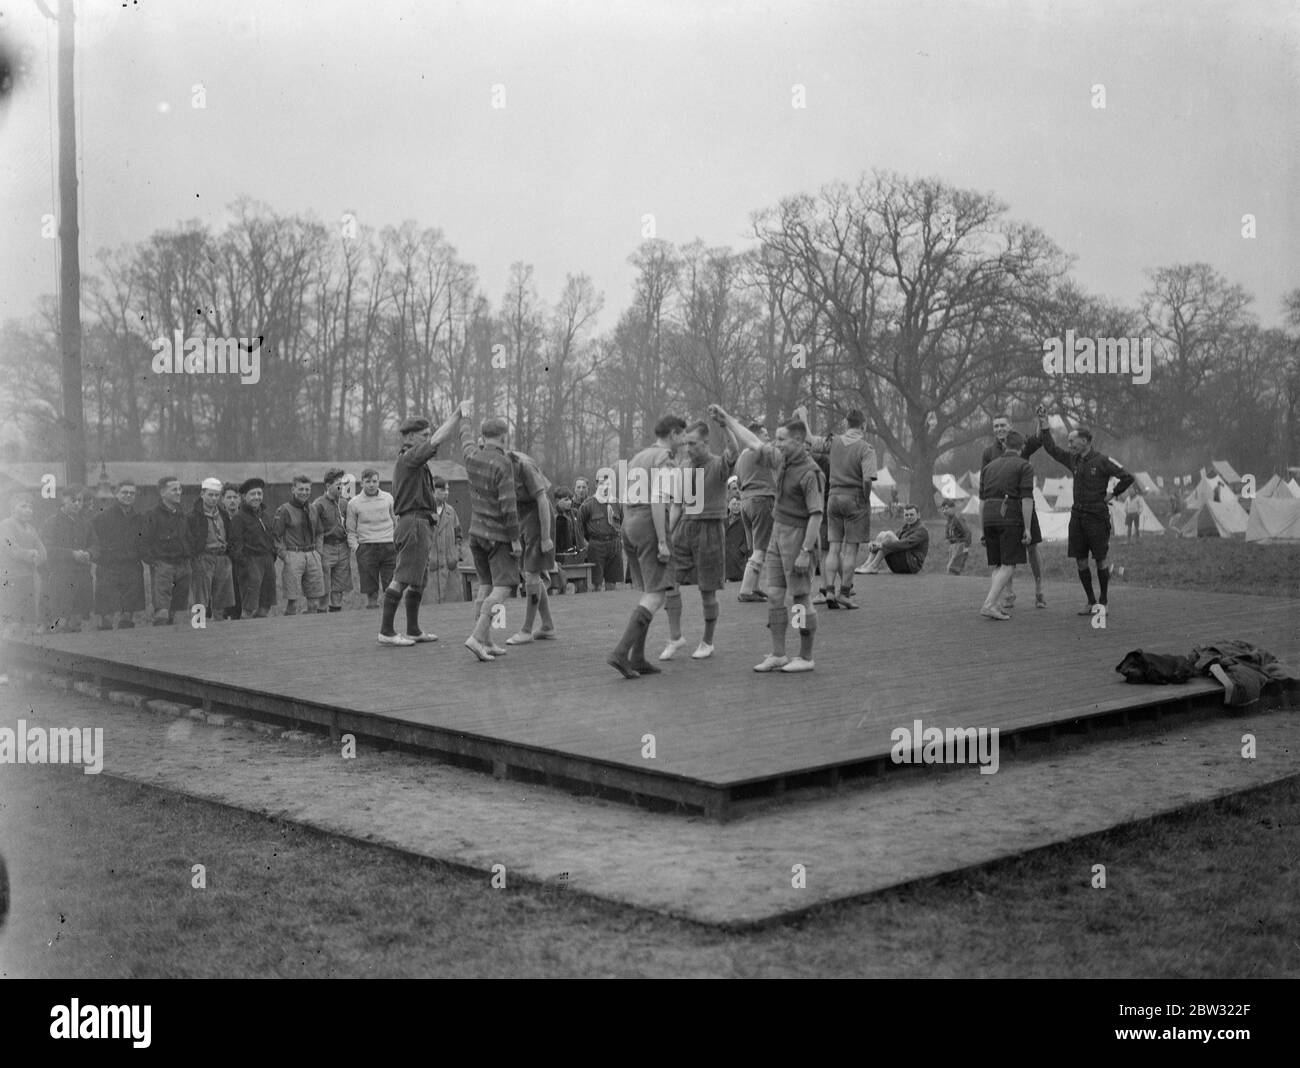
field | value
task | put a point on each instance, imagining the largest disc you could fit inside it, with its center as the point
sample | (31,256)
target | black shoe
(644,667)
(751,598)
(832,601)
(620,663)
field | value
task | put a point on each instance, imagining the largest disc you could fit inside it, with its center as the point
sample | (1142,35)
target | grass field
(1208,892)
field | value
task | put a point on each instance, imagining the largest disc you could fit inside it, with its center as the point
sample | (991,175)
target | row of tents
(1210,510)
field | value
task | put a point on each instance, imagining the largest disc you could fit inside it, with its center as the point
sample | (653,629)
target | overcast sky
(682,109)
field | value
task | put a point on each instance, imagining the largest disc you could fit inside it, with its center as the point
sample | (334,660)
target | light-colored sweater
(370,519)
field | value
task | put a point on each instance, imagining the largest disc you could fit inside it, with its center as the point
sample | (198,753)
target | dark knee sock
(710,621)
(637,654)
(1103,580)
(805,643)
(530,613)
(1085,576)
(413,611)
(391,600)
(637,625)
(673,607)
(777,621)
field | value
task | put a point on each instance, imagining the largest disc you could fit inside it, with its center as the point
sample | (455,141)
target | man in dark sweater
(118,557)
(252,548)
(167,551)
(69,545)
(413,505)
(1090,515)
(1007,493)
(792,550)
(903,552)
(1002,427)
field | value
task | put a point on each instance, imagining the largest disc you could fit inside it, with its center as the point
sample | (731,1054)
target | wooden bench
(579,574)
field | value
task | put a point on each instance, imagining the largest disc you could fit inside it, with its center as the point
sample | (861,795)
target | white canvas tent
(1207,490)
(1052,488)
(1294,487)
(884,480)
(1146,483)
(1225,471)
(948,488)
(1211,519)
(877,505)
(1147,521)
(1040,501)
(1054,525)
(972,506)
(1275,487)
(1065,499)
(1274,519)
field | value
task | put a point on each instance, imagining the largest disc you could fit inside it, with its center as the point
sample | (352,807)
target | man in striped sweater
(494,535)
(370,525)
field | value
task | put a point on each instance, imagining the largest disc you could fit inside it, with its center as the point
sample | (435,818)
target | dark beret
(251,484)
(410,425)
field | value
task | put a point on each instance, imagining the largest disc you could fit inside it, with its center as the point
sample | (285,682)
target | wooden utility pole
(74,423)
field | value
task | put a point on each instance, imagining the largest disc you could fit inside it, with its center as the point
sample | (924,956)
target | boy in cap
(444,553)
(414,506)
(957,534)
(211,574)
(252,548)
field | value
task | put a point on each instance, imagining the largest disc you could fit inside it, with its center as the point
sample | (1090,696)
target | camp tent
(877,505)
(1294,487)
(972,506)
(1147,521)
(1224,470)
(884,480)
(1275,488)
(1213,519)
(948,488)
(1207,490)
(1146,483)
(1065,499)
(1274,519)
(1055,526)
(1040,501)
(1052,488)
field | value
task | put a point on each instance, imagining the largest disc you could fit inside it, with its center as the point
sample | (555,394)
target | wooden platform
(554,712)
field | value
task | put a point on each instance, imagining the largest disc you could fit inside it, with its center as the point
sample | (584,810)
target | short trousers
(700,552)
(778,565)
(412,538)
(303,575)
(648,573)
(849,518)
(1088,534)
(493,562)
(756,514)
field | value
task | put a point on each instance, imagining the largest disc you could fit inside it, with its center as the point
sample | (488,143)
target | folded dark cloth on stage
(1157,668)
(1249,667)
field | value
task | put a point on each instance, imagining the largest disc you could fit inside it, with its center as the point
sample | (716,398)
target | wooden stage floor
(555,712)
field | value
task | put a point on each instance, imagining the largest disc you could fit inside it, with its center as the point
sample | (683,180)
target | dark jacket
(249,534)
(1092,473)
(65,534)
(199,528)
(907,556)
(119,536)
(166,535)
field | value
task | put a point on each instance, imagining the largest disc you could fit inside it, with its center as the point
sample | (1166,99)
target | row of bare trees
(924,305)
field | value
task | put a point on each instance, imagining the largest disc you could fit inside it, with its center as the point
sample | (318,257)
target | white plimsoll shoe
(798,664)
(522,638)
(702,651)
(771,662)
(395,639)
(423,636)
(671,648)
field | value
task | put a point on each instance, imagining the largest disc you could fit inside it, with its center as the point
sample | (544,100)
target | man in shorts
(848,506)
(412,534)
(646,540)
(494,536)
(1007,493)
(791,554)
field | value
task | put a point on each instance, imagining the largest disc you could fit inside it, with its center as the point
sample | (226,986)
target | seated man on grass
(904,552)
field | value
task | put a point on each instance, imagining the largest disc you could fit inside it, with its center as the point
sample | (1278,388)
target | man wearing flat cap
(211,577)
(413,504)
(252,548)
